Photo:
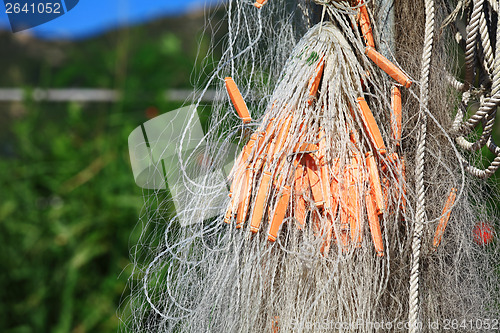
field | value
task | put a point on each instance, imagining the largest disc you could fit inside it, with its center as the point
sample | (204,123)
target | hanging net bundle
(357,199)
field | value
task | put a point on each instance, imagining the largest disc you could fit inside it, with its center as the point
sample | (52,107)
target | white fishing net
(209,264)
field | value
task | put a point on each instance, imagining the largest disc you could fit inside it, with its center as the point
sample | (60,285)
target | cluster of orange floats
(334,190)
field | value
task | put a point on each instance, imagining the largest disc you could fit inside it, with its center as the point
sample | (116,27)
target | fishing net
(327,207)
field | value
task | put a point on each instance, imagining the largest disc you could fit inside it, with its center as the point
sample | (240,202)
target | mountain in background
(158,55)
(90,18)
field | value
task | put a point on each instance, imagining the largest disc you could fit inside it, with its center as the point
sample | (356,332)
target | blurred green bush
(68,201)
(68,205)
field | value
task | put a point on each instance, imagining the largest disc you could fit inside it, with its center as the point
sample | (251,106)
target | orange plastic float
(445,217)
(388,67)
(364,23)
(260,3)
(314,81)
(279,213)
(396,115)
(300,203)
(237,99)
(371,126)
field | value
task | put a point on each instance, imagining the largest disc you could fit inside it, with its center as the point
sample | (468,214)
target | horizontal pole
(92,95)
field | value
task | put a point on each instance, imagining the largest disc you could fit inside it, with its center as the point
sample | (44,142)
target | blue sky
(93,17)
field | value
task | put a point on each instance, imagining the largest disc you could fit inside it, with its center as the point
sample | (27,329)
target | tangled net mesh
(206,275)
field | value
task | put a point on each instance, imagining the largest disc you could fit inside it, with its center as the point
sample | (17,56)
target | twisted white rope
(478,39)
(470,44)
(485,40)
(419,169)
(486,112)
(494,4)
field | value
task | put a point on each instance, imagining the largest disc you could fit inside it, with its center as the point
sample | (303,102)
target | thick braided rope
(494,4)
(488,110)
(492,102)
(488,107)
(489,57)
(496,67)
(419,169)
(470,44)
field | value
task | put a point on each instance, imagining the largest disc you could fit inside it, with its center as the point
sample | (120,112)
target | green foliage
(68,201)
(67,208)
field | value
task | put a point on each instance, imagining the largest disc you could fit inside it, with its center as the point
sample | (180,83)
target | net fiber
(326,269)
